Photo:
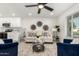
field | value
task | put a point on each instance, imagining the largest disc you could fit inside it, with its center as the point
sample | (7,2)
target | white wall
(28,21)
(62,20)
(15,21)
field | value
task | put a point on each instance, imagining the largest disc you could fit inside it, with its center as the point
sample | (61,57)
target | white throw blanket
(1,41)
(75,41)
(14,35)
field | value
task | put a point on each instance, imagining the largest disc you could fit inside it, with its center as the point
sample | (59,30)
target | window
(69,26)
(73,25)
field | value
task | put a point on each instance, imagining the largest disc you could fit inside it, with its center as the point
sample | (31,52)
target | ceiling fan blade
(31,5)
(42,3)
(48,8)
(39,10)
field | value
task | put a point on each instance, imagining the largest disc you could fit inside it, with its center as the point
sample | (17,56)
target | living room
(39,29)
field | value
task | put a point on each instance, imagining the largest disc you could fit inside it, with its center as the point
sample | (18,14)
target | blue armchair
(9,49)
(66,49)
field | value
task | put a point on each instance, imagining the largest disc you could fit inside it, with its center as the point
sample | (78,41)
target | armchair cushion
(7,40)
(68,40)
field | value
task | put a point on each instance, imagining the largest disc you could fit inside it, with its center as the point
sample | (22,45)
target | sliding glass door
(73,25)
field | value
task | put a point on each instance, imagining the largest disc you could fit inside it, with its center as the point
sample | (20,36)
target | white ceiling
(6,9)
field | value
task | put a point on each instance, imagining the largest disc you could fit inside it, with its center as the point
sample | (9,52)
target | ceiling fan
(40,6)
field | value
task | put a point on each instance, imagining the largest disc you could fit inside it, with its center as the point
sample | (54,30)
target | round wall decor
(33,27)
(45,27)
(39,23)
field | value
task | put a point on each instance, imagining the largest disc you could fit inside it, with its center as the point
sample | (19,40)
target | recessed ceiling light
(51,13)
(30,14)
(13,14)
